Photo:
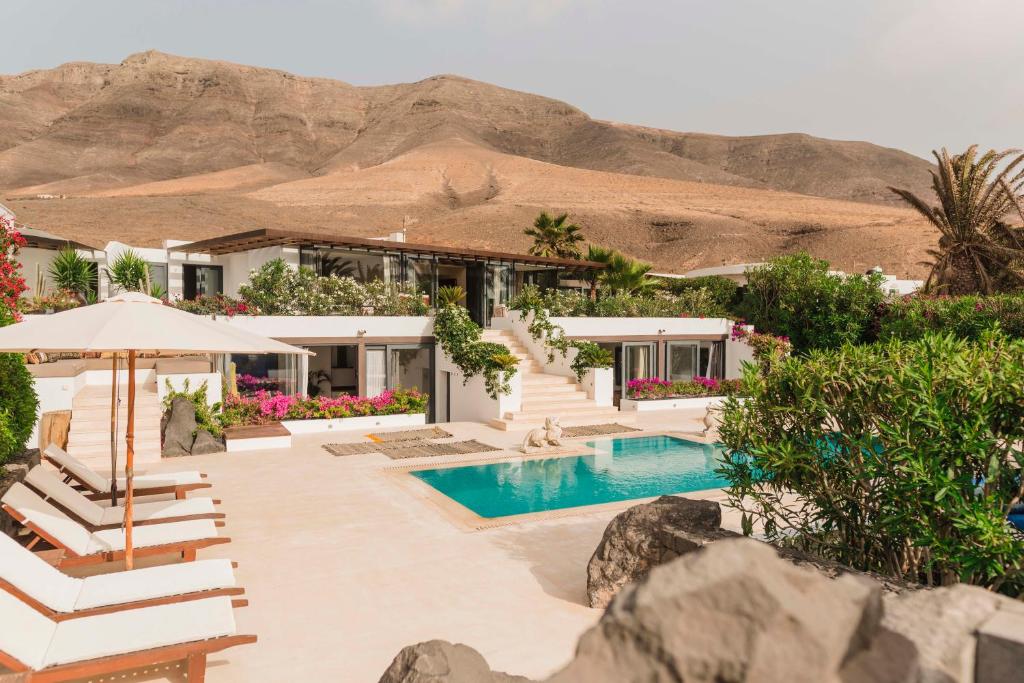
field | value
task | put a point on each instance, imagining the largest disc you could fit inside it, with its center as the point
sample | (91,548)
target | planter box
(652,404)
(257,438)
(341,424)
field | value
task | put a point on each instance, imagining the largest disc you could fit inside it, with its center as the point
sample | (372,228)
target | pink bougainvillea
(266,406)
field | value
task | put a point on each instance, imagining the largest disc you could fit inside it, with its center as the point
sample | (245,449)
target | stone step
(562,413)
(567,402)
(543,378)
(551,390)
(100,437)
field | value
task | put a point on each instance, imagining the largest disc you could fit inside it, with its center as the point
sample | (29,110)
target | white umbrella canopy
(137,322)
(133,323)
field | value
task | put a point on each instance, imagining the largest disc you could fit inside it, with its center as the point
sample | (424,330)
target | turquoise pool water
(620,469)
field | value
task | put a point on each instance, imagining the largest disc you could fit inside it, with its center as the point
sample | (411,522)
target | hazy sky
(913,74)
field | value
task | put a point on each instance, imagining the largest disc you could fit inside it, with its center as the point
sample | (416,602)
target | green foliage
(597,254)
(902,457)
(129,272)
(72,272)
(967,317)
(628,276)
(722,291)
(206,415)
(979,252)
(450,296)
(588,354)
(698,303)
(797,297)
(459,336)
(277,289)
(18,403)
(555,237)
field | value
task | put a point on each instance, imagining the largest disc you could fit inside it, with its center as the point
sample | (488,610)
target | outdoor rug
(425,448)
(410,448)
(597,430)
(411,435)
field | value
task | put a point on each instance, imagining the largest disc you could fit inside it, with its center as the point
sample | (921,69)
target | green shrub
(129,272)
(277,289)
(722,291)
(797,297)
(692,303)
(900,457)
(18,401)
(964,316)
(72,272)
(459,336)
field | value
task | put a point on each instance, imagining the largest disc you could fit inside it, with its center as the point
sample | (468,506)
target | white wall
(286,327)
(30,258)
(737,352)
(238,266)
(626,327)
(470,402)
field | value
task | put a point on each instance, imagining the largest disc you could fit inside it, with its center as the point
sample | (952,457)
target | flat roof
(40,239)
(272,237)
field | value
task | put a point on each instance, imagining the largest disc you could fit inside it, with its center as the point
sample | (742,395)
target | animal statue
(548,435)
(712,418)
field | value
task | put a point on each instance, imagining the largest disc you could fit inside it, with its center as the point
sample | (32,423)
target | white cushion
(76,640)
(76,467)
(164,479)
(65,530)
(152,534)
(30,574)
(155,582)
(159,510)
(53,488)
(26,634)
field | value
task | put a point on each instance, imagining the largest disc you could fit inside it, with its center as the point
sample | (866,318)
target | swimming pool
(620,469)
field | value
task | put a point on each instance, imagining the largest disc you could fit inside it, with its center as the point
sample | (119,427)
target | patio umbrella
(132,323)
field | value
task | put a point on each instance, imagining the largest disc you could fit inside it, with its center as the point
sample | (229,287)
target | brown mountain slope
(162,146)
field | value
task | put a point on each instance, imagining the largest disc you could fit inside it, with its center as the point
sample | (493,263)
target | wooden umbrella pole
(129,463)
(113,430)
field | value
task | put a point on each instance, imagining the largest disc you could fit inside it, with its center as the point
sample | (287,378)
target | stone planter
(352,423)
(648,405)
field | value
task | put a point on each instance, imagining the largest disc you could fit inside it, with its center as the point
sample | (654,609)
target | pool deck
(343,565)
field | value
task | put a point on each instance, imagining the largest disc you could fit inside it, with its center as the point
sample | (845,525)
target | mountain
(163,146)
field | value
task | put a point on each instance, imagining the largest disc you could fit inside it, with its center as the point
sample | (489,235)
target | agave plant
(978,250)
(72,272)
(450,296)
(129,272)
(553,237)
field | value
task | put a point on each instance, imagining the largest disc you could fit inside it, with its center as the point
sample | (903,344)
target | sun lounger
(104,644)
(81,546)
(50,487)
(58,596)
(177,483)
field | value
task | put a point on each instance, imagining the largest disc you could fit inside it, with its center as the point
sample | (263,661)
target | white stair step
(541,378)
(564,413)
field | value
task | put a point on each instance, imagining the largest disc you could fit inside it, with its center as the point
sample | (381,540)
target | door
(476,298)
(638,360)
(682,361)
(376,371)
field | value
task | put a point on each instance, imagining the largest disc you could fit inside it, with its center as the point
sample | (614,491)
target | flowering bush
(250,384)
(57,301)
(655,388)
(218,304)
(767,348)
(12,284)
(265,406)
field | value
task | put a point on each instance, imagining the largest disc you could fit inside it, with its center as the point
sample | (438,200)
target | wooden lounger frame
(179,490)
(194,654)
(54,615)
(68,558)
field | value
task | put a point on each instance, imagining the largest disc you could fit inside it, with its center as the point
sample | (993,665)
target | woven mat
(597,430)
(352,448)
(411,435)
(425,448)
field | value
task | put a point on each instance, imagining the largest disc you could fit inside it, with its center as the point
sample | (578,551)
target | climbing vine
(459,336)
(588,354)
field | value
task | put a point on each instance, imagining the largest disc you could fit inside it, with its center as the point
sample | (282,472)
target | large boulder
(736,612)
(206,442)
(179,433)
(648,535)
(438,661)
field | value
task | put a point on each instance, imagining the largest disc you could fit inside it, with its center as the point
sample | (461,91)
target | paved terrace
(344,564)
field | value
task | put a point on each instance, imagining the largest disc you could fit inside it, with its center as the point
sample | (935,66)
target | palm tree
(597,255)
(552,237)
(978,251)
(627,276)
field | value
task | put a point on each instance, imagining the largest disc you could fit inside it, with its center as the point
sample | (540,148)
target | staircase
(547,395)
(89,438)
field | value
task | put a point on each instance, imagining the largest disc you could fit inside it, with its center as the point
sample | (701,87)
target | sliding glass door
(638,360)
(682,361)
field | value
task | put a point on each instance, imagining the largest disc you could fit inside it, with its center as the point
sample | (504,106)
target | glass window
(682,361)
(376,371)
(711,359)
(638,361)
(420,273)
(360,266)
(268,372)
(158,274)
(202,280)
(498,283)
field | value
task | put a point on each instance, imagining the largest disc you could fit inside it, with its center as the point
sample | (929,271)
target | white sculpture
(548,435)
(712,418)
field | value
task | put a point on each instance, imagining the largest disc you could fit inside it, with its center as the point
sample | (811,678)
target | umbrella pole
(113,430)
(129,463)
